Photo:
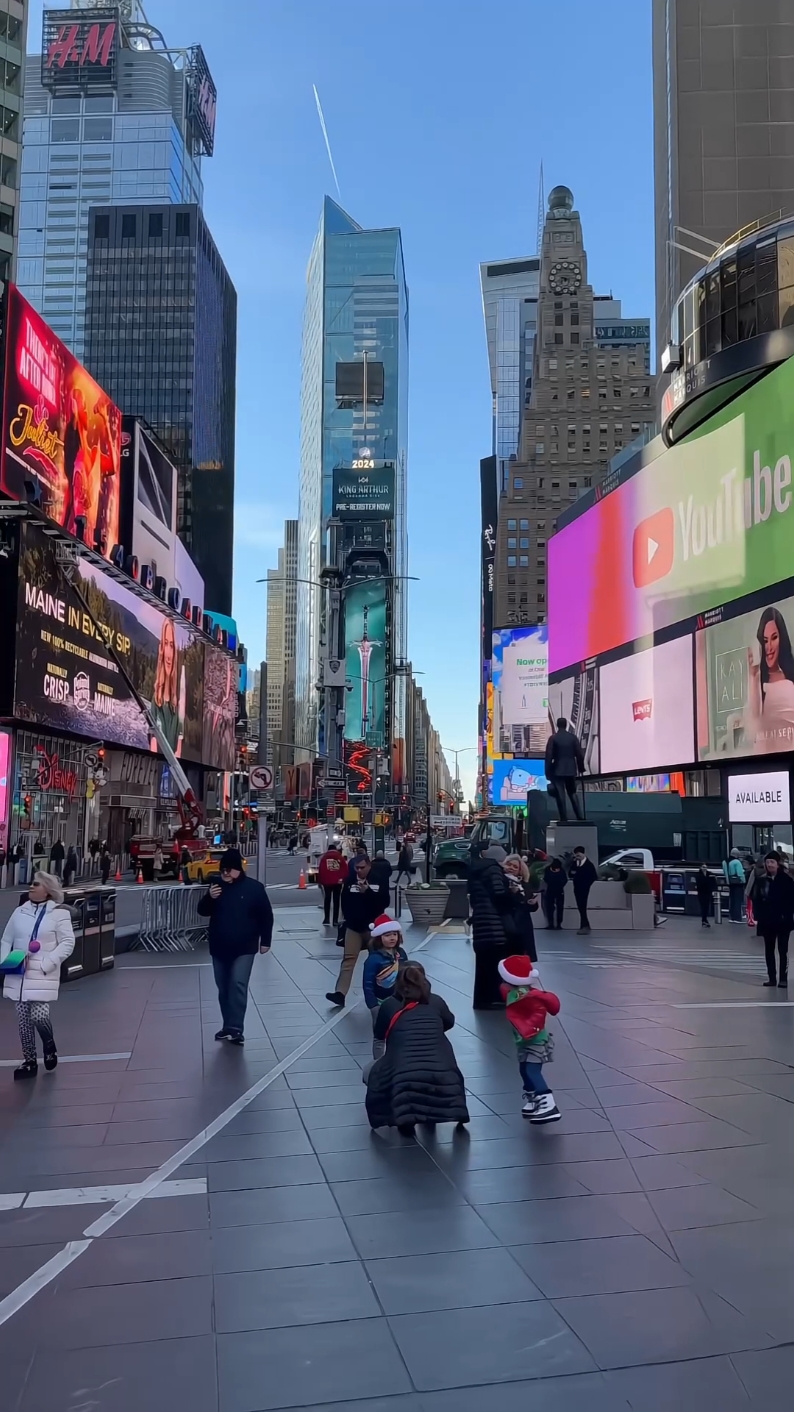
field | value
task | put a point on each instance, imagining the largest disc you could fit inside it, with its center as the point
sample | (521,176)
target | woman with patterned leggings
(42,929)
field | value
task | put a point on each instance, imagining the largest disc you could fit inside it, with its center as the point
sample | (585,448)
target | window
(518,483)
(558,338)
(511,598)
(523,561)
(555,485)
(101,227)
(99,105)
(98,129)
(128,227)
(155,226)
(524,524)
(558,320)
(558,303)
(574,320)
(540,448)
(511,541)
(552,362)
(64,129)
(575,337)
(511,578)
(571,393)
(524,543)
(511,524)
(511,561)
(182,225)
(66,105)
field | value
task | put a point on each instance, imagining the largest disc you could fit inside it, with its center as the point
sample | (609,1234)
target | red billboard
(61,433)
(79,55)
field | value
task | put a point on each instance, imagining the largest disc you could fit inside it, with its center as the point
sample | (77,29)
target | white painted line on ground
(11,1200)
(734,1005)
(103,1195)
(71,1059)
(45,1274)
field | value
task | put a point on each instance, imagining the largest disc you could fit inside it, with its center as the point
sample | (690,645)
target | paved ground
(638,1255)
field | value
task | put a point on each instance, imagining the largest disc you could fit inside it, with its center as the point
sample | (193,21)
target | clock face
(565,277)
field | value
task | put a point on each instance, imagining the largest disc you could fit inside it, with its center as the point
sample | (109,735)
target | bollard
(717,907)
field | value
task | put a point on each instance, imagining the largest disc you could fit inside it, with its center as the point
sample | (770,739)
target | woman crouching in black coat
(417,1080)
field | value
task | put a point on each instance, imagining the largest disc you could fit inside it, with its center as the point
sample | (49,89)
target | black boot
(51,1058)
(28,1070)
(771,981)
(783,982)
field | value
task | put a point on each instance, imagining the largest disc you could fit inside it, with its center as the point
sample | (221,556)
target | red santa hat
(517,970)
(384,923)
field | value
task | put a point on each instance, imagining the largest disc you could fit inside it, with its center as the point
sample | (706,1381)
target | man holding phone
(362,901)
(241,923)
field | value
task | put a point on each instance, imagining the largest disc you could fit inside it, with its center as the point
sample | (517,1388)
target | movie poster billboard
(745,683)
(66,677)
(520,713)
(366,657)
(220,708)
(61,432)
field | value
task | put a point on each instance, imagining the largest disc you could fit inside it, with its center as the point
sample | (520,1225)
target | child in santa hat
(528,1008)
(386,955)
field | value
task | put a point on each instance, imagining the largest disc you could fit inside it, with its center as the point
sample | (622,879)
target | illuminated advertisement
(702,525)
(364,495)
(202,99)
(759,799)
(647,709)
(365,661)
(5,770)
(61,434)
(511,779)
(745,683)
(519,718)
(576,698)
(66,677)
(220,708)
(79,55)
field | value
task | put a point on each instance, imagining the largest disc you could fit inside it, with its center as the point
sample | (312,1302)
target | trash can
(73,968)
(91,933)
(107,929)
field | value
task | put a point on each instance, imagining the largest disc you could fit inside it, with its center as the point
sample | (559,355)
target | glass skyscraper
(356,304)
(510,308)
(133,144)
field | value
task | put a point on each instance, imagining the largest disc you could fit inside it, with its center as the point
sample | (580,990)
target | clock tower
(565,304)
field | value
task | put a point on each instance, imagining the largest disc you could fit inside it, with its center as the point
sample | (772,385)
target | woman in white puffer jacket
(42,928)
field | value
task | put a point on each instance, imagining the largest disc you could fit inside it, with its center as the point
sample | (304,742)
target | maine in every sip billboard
(704,524)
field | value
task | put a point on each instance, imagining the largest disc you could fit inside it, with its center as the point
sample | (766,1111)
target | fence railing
(170,919)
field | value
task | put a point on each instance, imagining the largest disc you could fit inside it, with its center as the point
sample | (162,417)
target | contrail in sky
(325,135)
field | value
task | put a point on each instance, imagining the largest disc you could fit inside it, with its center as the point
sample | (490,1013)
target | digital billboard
(511,779)
(759,799)
(745,683)
(519,671)
(704,524)
(220,708)
(366,661)
(79,55)
(576,698)
(647,709)
(61,432)
(364,494)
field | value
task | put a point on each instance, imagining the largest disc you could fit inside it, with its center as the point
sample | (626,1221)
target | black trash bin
(74,966)
(107,929)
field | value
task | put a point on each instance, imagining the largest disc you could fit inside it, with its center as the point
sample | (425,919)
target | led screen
(520,710)
(745,683)
(511,779)
(576,698)
(365,660)
(647,709)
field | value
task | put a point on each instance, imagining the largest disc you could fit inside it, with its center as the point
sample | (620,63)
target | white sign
(759,799)
(260,777)
(522,675)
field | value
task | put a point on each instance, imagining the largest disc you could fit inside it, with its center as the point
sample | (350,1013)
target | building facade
(352,417)
(723,130)
(161,337)
(13,28)
(591,396)
(510,309)
(282,590)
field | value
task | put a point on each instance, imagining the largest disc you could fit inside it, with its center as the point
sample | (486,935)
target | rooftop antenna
(541,210)
(325,135)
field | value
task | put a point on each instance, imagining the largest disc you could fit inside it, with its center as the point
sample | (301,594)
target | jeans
(532,1075)
(773,936)
(231,978)
(554,906)
(331,894)
(736,900)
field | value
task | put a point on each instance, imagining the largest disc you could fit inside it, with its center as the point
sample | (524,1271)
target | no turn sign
(260,777)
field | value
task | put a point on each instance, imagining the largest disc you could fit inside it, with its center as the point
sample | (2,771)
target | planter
(427,904)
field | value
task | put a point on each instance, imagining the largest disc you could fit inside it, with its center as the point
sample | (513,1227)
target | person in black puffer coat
(494,932)
(417,1080)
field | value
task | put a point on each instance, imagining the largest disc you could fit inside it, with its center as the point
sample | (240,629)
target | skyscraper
(282,586)
(161,338)
(13,28)
(354,415)
(590,398)
(112,115)
(723,77)
(510,307)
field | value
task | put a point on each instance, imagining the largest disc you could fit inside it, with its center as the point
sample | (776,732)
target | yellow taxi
(202,867)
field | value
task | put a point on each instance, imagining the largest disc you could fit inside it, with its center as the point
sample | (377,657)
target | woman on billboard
(168,701)
(771,684)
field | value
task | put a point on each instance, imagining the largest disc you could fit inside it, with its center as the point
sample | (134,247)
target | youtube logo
(653,549)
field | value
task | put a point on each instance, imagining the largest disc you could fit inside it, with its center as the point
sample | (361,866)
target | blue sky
(439,112)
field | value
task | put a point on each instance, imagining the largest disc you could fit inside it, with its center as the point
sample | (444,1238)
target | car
(201,868)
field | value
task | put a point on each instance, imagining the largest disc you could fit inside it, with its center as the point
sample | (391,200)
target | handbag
(14,963)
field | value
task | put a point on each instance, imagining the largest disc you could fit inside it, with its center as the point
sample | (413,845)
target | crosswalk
(696,958)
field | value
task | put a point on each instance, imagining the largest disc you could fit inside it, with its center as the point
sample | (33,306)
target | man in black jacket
(582,874)
(564,765)
(241,923)
(362,901)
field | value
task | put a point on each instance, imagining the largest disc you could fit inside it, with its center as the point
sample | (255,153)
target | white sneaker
(546,1110)
(529,1103)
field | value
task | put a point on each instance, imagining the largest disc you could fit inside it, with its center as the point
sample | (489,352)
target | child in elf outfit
(528,1008)
(386,955)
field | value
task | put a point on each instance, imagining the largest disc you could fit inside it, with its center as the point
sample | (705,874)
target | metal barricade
(170,919)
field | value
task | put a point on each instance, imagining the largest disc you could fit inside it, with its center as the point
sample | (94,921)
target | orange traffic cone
(117,875)
(139,875)
(302,881)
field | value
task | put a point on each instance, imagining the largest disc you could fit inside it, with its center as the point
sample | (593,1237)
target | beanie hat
(517,970)
(384,923)
(231,858)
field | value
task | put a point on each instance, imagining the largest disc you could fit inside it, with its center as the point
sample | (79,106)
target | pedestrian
(292,843)
(706,884)
(381,870)
(105,863)
(41,930)
(381,968)
(57,855)
(564,765)
(524,904)
(528,1007)
(362,902)
(38,849)
(417,1080)
(554,881)
(491,903)
(184,861)
(241,924)
(582,873)
(157,861)
(773,907)
(70,866)
(405,862)
(331,875)
(359,853)
(733,869)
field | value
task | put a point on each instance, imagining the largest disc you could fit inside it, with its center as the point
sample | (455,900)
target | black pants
(561,787)
(705,908)
(776,936)
(554,908)
(331,894)
(737,900)
(581,902)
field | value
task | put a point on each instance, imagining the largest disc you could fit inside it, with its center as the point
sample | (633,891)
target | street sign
(333,771)
(260,777)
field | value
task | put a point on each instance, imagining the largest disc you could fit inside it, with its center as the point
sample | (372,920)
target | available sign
(759,799)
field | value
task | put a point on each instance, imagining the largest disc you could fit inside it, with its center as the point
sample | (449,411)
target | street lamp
(456,753)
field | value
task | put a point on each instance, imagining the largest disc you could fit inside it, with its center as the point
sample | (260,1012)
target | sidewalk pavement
(274,1253)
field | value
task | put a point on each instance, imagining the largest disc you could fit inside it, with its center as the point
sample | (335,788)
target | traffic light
(440,797)
(28,802)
